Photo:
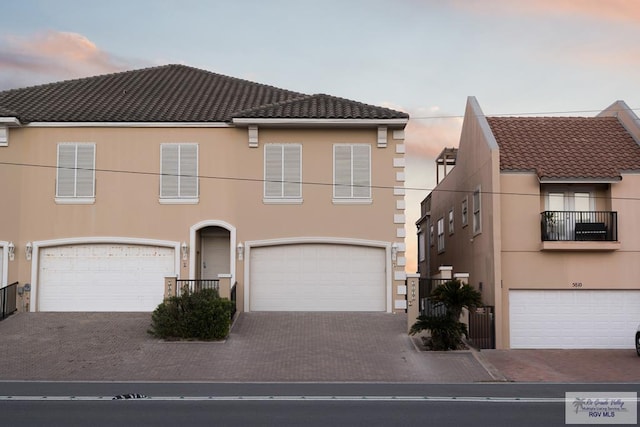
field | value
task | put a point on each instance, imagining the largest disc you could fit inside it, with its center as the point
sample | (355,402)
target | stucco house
(112,183)
(543,214)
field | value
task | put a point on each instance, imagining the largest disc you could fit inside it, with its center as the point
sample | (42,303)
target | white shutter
(169,170)
(292,159)
(85,172)
(188,170)
(361,171)
(273,171)
(342,171)
(66,170)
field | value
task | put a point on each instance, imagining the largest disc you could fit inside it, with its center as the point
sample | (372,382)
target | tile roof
(565,147)
(173,93)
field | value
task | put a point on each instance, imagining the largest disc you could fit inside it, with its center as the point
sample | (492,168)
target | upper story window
(477,212)
(178,173)
(76,175)
(421,246)
(451,221)
(283,173)
(4,136)
(441,235)
(464,209)
(352,173)
(431,239)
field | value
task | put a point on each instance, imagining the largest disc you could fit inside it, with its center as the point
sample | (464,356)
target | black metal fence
(195,285)
(482,327)
(579,226)
(8,300)
(234,299)
(427,307)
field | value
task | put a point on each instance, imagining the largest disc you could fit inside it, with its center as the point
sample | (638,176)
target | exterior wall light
(11,250)
(185,250)
(394,251)
(240,250)
(28,249)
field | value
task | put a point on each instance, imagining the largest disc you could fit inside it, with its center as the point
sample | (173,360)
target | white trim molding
(252,131)
(5,263)
(192,245)
(321,122)
(88,241)
(382,137)
(248,245)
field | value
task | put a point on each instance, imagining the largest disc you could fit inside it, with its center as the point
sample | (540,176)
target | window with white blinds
(76,171)
(179,171)
(282,172)
(352,171)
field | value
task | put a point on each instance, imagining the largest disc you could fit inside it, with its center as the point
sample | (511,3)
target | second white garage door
(573,319)
(103,277)
(317,277)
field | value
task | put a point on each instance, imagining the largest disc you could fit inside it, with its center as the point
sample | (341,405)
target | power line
(327,184)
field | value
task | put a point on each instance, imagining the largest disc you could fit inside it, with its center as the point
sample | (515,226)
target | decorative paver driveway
(270,347)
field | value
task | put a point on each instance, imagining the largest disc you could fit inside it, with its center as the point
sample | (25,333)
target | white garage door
(573,319)
(317,277)
(103,277)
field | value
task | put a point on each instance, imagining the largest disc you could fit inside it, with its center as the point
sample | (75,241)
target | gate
(8,300)
(482,327)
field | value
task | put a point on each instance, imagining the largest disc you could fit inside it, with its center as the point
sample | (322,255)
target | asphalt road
(289,404)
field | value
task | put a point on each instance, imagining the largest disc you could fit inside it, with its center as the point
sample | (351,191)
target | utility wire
(260,180)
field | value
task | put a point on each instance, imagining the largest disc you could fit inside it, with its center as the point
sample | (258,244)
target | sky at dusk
(424,57)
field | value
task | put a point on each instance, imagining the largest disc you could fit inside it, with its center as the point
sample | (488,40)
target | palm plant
(447,330)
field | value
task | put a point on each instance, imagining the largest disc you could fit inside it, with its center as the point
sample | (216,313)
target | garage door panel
(573,319)
(103,277)
(317,277)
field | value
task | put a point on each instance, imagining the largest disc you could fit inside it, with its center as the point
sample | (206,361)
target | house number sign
(576,284)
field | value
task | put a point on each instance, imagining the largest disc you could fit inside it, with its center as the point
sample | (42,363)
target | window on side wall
(477,212)
(451,221)
(464,212)
(283,173)
(431,235)
(421,246)
(75,176)
(352,173)
(4,136)
(441,235)
(179,173)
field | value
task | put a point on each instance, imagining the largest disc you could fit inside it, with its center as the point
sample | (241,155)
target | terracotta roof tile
(565,147)
(171,93)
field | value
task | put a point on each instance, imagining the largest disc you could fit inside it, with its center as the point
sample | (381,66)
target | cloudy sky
(420,56)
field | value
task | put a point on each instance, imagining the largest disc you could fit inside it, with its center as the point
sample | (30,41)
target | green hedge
(193,316)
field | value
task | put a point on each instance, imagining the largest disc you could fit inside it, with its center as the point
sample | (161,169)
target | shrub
(198,316)
(447,330)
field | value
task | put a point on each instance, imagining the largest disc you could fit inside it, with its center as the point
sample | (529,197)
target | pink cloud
(427,137)
(610,10)
(53,55)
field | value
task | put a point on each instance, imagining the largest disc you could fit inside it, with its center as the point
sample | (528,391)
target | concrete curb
(491,370)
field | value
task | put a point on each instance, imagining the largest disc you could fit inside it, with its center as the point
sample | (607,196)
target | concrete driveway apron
(262,347)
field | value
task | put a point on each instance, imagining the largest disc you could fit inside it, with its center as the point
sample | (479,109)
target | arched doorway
(215,252)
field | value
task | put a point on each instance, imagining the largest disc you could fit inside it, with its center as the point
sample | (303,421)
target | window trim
(173,200)
(464,212)
(4,136)
(440,229)
(75,199)
(451,220)
(352,199)
(422,246)
(477,211)
(282,199)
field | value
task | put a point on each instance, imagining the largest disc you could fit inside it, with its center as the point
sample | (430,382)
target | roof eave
(10,121)
(582,180)
(241,121)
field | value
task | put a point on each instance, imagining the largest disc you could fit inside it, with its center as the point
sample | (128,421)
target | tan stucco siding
(230,188)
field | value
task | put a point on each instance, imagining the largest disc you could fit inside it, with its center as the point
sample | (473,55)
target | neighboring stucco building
(543,213)
(111,183)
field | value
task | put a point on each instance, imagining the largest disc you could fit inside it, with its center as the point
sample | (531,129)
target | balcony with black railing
(579,226)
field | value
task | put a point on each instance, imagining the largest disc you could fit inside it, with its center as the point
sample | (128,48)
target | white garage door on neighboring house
(317,277)
(573,318)
(103,277)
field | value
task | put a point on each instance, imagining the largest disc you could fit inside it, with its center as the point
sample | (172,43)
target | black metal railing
(579,226)
(427,307)
(8,300)
(482,327)
(233,299)
(195,285)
